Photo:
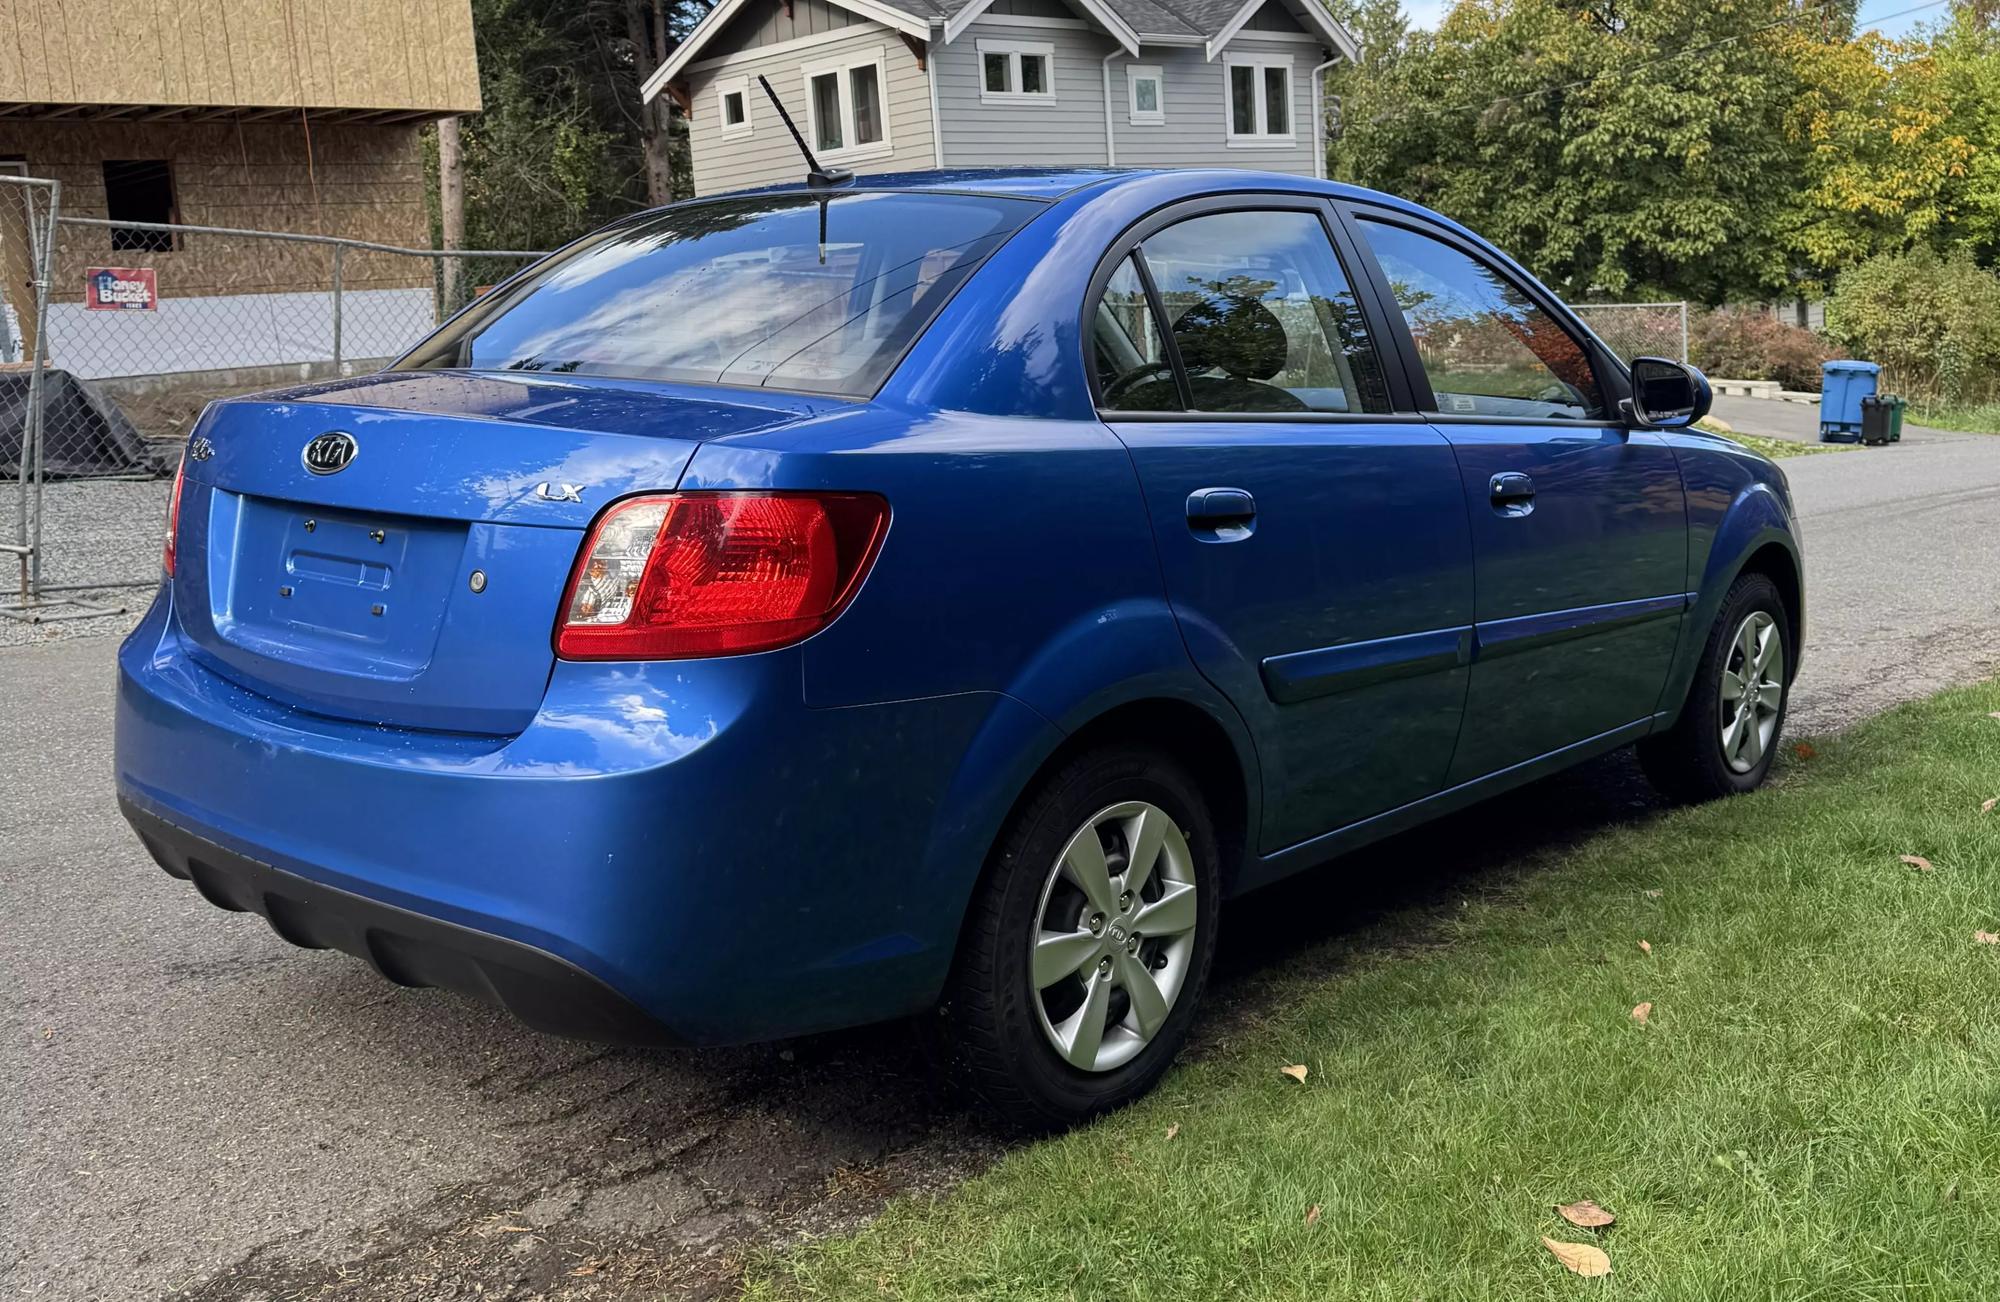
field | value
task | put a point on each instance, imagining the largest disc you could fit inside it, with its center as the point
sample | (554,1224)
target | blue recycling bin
(1842,387)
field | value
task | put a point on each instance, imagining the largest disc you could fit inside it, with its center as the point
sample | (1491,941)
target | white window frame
(1136,73)
(1260,138)
(843,67)
(1015,51)
(723,90)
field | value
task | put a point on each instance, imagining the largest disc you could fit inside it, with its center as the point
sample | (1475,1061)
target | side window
(1262,316)
(1488,350)
(1133,373)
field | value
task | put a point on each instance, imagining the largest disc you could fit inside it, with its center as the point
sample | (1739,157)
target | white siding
(766,154)
(1194,91)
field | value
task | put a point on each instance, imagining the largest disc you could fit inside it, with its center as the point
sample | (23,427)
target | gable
(769,22)
(1273,17)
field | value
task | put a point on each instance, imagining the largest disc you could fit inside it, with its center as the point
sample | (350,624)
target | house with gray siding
(898,85)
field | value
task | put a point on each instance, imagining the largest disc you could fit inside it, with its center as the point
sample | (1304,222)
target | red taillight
(709,574)
(173,519)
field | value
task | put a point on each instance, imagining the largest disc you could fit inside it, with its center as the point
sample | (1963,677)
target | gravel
(103,533)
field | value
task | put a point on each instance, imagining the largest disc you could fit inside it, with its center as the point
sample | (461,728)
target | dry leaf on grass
(1645,947)
(1642,1012)
(1583,1259)
(1916,861)
(1297,1071)
(1804,750)
(1173,1130)
(1986,937)
(1986,806)
(1993,714)
(1653,894)
(1312,1216)
(1588,1214)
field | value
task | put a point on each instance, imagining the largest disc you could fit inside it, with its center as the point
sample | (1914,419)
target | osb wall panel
(362,182)
(349,54)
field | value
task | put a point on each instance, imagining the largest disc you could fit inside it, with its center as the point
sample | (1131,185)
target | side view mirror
(1667,394)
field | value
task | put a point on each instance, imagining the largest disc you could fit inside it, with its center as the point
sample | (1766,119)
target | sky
(1874,13)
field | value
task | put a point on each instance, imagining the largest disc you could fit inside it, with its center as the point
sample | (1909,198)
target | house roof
(1211,24)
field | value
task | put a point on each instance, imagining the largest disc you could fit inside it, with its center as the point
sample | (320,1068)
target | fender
(1756,517)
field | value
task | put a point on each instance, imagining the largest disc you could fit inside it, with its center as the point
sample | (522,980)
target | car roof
(1052,183)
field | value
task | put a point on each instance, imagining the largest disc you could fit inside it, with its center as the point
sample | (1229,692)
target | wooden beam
(677,91)
(918,48)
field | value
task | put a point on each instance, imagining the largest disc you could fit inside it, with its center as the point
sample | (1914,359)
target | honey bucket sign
(121,289)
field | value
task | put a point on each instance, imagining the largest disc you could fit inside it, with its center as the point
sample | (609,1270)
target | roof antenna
(817,176)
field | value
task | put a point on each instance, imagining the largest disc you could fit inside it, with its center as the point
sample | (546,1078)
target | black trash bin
(1875,417)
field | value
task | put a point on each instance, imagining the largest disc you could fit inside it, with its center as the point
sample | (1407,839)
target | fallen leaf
(1645,946)
(1582,1259)
(1654,894)
(1916,861)
(1993,714)
(1986,807)
(584,1270)
(1173,1130)
(1312,1216)
(1588,1214)
(1297,1071)
(1640,1014)
(1986,937)
(517,1229)
(1804,750)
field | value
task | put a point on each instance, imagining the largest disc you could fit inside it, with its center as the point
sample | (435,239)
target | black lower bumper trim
(411,949)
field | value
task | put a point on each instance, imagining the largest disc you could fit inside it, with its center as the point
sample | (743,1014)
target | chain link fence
(114,336)
(1639,329)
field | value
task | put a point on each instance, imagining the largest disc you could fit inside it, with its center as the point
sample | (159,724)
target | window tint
(1488,350)
(1133,373)
(766,290)
(1262,315)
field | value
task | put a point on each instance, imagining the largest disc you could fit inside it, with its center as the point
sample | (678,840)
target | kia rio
(934,593)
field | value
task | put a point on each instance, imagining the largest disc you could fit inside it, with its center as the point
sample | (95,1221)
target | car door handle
(1511,488)
(1212,508)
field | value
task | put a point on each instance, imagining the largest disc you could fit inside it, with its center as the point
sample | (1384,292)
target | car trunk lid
(416,585)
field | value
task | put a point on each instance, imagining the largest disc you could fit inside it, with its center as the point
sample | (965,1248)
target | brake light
(708,574)
(173,519)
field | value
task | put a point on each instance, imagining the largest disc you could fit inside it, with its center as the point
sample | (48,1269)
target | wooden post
(451,203)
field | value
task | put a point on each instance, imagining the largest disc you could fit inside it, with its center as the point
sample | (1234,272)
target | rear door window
(1262,315)
(793,291)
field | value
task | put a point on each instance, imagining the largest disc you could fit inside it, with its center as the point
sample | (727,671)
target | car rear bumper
(688,836)
(546,992)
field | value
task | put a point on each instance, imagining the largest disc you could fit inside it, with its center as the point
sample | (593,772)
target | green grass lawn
(1811,1111)
(1774,448)
(1975,418)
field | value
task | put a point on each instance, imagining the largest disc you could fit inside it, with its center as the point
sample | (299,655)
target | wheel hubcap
(1753,691)
(1114,935)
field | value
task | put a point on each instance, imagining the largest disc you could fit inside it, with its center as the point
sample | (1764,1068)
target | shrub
(1748,344)
(1933,324)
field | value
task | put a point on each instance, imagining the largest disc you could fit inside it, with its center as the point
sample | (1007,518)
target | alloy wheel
(1753,691)
(1114,936)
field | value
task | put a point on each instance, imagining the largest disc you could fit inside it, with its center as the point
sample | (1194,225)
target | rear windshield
(789,290)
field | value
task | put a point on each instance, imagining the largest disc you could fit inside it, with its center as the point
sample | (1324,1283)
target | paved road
(193,1108)
(1799,421)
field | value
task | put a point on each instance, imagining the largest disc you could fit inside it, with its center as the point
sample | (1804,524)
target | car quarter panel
(1738,504)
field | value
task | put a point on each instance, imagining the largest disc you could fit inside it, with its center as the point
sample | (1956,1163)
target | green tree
(1616,148)
(563,143)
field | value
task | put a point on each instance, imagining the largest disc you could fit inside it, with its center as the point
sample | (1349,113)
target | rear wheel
(1089,941)
(1727,735)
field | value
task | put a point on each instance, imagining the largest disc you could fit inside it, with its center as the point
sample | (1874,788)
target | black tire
(989,1022)
(1686,762)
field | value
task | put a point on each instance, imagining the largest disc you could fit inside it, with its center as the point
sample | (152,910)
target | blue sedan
(938,592)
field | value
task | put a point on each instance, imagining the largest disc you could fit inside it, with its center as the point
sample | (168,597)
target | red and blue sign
(121,289)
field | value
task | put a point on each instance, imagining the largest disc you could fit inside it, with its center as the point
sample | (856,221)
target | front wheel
(1727,735)
(1089,941)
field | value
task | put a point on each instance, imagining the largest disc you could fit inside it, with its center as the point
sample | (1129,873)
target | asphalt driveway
(194,1108)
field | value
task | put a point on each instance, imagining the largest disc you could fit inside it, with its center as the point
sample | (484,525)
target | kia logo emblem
(330,453)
